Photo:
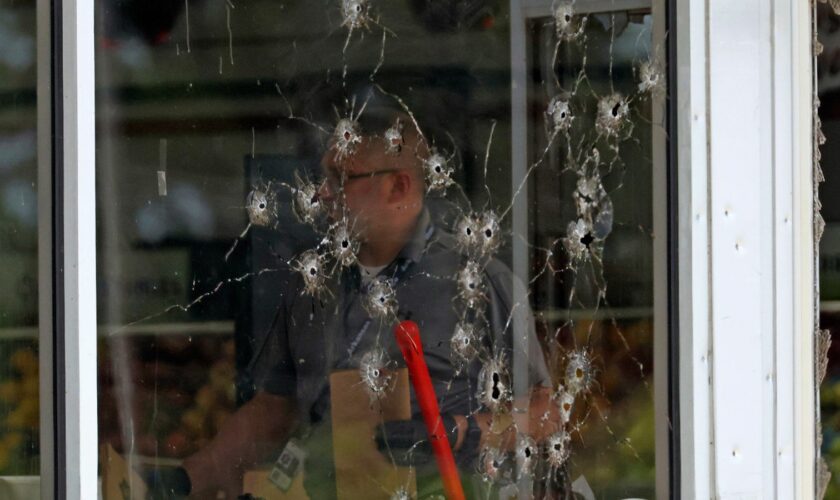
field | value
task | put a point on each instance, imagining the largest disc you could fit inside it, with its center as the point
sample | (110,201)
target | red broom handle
(408,338)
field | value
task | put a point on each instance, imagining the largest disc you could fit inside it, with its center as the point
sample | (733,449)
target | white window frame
(746,277)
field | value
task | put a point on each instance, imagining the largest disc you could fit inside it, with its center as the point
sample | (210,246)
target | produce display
(176,391)
(170,394)
(19,405)
(166,395)
(614,447)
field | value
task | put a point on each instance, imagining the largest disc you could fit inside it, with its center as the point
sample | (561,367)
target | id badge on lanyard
(288,465)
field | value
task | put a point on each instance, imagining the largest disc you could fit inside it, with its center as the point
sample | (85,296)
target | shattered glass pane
(438,172)
(592,239)
(333,169)
(373,371)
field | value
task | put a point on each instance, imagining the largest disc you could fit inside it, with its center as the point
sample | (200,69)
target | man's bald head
(379,150)
(379,182)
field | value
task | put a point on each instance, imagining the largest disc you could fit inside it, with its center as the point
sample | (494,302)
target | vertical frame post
(664,203)
(805,277)
(746,249)
(46,270)
(694,290)
(67,249)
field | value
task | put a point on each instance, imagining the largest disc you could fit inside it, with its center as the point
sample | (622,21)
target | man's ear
(401,185)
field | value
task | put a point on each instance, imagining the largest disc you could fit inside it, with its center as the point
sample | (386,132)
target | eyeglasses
(334,182)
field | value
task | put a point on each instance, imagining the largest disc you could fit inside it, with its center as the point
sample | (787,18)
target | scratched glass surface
(256,160)
(19,417)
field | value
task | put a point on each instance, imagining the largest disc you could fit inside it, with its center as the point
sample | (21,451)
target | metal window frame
(67,249)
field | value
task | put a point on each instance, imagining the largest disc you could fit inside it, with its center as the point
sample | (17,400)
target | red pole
(408,338)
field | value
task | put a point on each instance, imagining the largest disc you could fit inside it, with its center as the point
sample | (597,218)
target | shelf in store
(559,314)
(169,329)
(830,306)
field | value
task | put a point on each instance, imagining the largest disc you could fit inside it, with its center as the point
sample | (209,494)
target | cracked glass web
(274,115)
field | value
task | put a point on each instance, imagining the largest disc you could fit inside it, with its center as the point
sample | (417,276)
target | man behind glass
(381,194)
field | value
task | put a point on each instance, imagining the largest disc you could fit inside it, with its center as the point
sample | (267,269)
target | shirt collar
(416,245)
(412,251)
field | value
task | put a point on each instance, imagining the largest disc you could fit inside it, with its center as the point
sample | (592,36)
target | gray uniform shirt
(311,337)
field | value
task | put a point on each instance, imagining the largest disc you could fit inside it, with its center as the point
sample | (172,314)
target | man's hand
(254,433)
(167,483)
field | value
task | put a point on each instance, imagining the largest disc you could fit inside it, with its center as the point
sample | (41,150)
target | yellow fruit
(29,405)
(30,386)
(10,391)
(25,361)
(230,394)
(222,375)
(12,440)
(5,455)
(206,398)
(16,419)
(25,415)
(193,421)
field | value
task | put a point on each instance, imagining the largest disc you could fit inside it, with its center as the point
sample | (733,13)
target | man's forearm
(249,436)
